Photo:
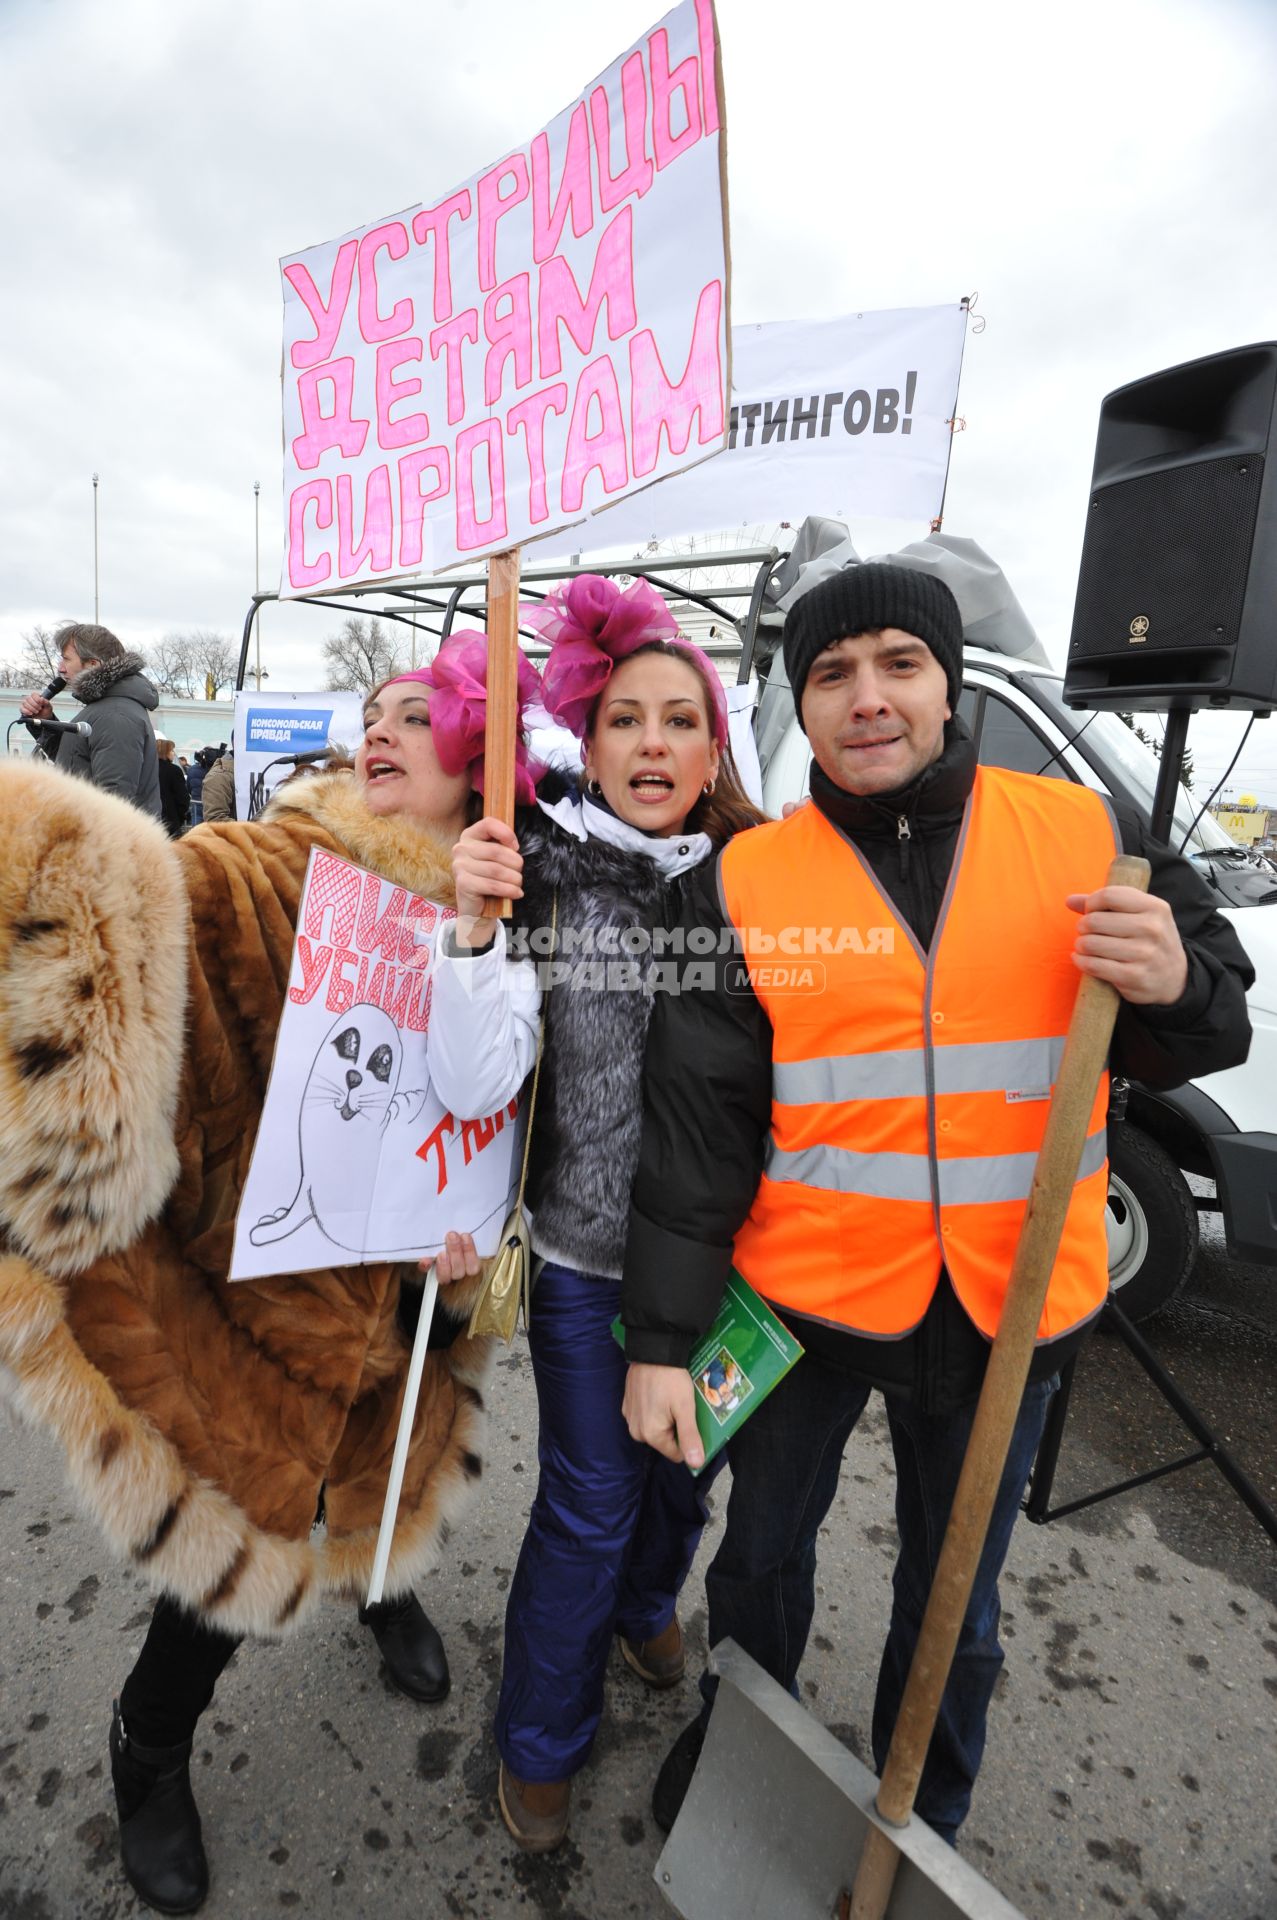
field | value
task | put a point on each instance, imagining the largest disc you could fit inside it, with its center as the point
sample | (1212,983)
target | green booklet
(736,1365)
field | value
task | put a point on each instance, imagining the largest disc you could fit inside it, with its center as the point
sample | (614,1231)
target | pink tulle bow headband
(592,625)
(458,677)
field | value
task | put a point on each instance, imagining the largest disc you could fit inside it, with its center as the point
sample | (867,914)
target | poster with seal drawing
(357,1159)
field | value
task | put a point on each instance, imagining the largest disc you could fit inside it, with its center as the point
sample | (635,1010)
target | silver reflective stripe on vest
(972,1181)
(993,1066)
(850,1076)
(876,1176)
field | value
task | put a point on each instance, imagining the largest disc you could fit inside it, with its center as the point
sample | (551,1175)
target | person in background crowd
(218,796)
(195,787)
(118,754)
(206,1424)
(175,796)
(613,1528)
(856,1130)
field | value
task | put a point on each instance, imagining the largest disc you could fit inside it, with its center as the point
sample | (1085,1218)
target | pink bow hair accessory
(458,677)
(592,624)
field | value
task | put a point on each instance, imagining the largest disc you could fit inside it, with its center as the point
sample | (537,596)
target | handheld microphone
(51,692)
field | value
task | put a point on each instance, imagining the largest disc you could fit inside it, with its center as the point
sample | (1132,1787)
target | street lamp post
(257,578)
(95,550)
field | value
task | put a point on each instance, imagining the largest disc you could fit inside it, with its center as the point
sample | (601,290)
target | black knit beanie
(863,599)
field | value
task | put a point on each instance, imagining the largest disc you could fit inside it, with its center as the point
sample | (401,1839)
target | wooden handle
(502,719)
(1054,1177)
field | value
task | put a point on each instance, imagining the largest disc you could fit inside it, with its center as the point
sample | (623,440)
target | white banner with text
(841,417)
(472,374)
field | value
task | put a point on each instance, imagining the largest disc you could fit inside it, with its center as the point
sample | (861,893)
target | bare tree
(216,660)
(172,664)
(39,656)
(361,655)
(195,665)
(36,664)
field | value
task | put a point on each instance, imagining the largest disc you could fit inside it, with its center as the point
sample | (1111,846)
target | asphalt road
(1132,1766)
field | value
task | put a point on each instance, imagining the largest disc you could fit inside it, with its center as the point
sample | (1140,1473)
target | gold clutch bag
(509,1276)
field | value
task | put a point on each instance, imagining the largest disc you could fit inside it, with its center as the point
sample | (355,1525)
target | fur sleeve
(93,947)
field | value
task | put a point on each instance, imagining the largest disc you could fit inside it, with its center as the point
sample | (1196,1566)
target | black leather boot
(160,1841)
(410,1647)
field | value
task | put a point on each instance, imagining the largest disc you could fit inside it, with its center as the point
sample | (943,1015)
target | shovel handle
(1054,1177)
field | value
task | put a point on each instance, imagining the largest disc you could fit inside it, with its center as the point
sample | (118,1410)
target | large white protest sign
(356,1157)
(271,729)
(474,373)
(837,417)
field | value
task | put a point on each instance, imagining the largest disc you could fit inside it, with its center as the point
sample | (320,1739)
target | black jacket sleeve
(1208,1027)
(706,1111)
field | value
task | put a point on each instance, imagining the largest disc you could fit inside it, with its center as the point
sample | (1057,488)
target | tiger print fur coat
(141,984)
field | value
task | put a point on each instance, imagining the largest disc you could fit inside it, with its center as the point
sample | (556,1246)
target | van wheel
(1151,1221)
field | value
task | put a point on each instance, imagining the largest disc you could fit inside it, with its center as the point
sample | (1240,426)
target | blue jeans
(610,1539)
(761,1583)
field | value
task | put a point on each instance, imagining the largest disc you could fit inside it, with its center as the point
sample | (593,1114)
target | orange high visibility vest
(910,1091)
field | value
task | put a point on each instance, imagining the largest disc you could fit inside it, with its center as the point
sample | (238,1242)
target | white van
(1221,1127)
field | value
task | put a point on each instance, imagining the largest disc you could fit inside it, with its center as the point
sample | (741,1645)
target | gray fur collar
(95,681)
(607,884)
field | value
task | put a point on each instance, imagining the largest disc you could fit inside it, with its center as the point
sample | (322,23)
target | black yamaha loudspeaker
(1177,593)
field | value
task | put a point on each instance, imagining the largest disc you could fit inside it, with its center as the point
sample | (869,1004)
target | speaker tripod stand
(1038,1505)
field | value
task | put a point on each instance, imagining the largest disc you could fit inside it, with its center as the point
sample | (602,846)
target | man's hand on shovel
(1130,939)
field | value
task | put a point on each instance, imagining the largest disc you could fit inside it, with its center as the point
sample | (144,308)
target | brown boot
(660,1662)
(535,1811)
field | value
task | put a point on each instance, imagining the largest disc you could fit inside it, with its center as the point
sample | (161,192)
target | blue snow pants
(612,1534)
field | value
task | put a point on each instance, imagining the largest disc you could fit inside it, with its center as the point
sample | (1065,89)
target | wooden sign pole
(498,780)
(503,697)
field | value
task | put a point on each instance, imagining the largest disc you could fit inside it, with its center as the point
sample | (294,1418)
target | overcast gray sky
(1103,175)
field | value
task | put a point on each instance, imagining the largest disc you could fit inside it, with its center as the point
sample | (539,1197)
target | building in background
(1246,820)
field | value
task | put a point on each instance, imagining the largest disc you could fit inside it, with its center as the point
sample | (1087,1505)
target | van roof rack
(436,603)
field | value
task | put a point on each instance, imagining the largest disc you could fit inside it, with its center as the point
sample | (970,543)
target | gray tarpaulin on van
(992,617)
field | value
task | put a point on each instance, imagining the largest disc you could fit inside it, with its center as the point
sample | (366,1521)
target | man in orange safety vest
(850,1115)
